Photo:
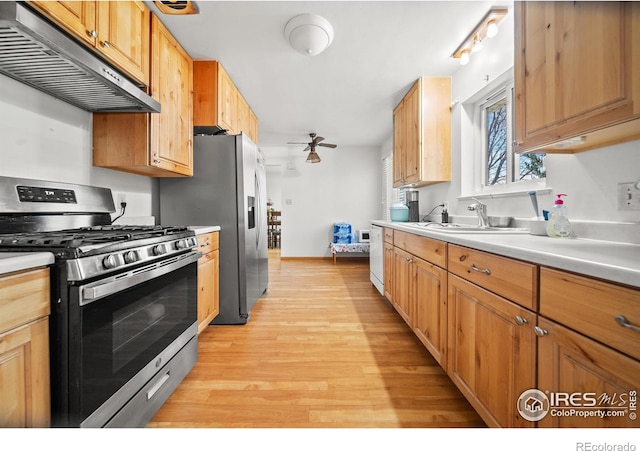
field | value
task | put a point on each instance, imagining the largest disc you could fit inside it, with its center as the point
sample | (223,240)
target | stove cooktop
(73,243)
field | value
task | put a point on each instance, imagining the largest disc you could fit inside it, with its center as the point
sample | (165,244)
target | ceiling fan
(315,141)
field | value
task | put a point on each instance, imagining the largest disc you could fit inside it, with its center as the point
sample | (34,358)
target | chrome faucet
(481,210)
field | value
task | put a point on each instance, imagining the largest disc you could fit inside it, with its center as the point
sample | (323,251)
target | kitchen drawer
(24,297)
(433,251)
(590,307)
(208,242)
(512,279)
(388,235)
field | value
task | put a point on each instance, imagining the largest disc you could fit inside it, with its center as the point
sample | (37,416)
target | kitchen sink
(466,228)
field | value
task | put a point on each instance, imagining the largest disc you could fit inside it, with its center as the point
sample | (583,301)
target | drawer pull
(205,244)
(540,332)
(520,320)
(486,271)
(624,322)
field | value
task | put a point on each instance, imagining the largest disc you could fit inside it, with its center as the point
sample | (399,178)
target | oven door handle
(98,290)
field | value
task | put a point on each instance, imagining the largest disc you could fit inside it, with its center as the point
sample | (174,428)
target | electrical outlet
(629,196)
(122,198)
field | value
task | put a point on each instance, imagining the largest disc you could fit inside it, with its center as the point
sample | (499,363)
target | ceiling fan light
(313,157)
(309,34)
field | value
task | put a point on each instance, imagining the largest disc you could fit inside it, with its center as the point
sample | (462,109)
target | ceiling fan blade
(296,143)
(306,148)
(317,139)
(333,146)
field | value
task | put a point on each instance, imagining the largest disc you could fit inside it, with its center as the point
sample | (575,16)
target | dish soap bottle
(558,224)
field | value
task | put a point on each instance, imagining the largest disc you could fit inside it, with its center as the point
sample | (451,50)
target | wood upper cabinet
(153,144)
(24,349)
(208,279)
(491,351)
(218,104)
(577,75)
(422,134)
(118,30)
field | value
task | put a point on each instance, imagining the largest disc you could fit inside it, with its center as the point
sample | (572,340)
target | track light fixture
(487,28)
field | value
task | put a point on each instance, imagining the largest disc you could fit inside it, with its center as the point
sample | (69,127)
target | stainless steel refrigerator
(228,188)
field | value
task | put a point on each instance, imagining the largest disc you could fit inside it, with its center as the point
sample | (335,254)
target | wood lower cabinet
(389,259)
(402,284)
(491,351)
(576,75)
(117,30)
(208,279)
(422,134)
(153,144)
(430,308)
(24,349)
(600,379)
(419,289)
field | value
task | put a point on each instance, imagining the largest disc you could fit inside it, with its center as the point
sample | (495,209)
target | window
(503,169)
(389,193)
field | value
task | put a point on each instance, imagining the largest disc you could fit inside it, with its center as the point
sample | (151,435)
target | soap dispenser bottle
(558,224)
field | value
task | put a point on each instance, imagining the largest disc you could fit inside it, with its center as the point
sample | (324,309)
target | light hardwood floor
(322,349)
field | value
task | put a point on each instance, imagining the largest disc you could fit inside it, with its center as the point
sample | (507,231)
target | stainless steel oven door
(123,329)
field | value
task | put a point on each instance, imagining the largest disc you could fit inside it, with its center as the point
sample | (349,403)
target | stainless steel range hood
(38,54)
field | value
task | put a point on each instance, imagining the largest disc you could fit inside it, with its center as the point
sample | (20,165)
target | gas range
(98,250)
(123,323)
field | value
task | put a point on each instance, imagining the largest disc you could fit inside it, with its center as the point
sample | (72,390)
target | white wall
(344,186)
(44,138)
(589,178)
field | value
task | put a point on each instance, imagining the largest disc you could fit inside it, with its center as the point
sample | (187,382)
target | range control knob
(131,257)
(182,244)
(111,261)
(159,249)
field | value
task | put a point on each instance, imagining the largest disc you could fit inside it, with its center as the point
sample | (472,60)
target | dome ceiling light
(309,34)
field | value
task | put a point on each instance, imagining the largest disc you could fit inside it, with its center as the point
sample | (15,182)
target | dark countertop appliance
(123,329)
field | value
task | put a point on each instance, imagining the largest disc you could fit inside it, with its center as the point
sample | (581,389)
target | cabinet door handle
(106,44)
(92,33)
(540,332)
(624,322)
(410,260)
(486,271)
(520,320)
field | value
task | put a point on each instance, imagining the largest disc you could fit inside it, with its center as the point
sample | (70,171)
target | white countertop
(204,229)
(18,261)
(616,262)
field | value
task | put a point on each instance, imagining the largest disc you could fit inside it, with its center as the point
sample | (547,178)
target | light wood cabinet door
(389,259)
(430,308)
(124,36)
(153,144)
(402,284)
(227,101)
(422,134)
(572,363)
(491,351)
(118,30)
(172,129)
(24,373)
(576,74)
(398,144)
(412,148)
(208,288)
(78,18)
